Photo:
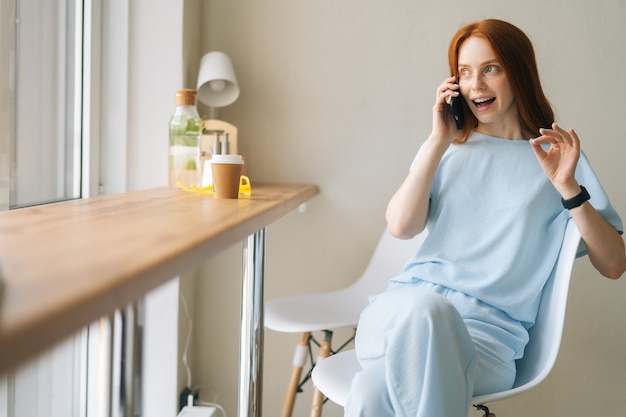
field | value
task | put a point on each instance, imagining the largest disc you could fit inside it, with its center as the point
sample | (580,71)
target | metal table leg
(251,339)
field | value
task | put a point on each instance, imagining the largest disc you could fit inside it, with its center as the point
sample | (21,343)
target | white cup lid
(226,159)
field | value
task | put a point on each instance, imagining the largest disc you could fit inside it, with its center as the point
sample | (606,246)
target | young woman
(495,197)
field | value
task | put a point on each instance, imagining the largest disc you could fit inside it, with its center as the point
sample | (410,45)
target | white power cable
(185,350)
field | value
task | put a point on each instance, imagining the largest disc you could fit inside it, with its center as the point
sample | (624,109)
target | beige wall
(339,93)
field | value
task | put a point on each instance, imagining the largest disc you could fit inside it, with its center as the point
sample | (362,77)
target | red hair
(515,53)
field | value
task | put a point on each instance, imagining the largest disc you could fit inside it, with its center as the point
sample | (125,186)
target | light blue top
(496,224)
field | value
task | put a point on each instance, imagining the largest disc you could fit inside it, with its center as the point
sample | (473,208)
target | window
(42,57)
(116,158)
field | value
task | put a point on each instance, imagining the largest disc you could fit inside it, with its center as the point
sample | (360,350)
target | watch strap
(577,200)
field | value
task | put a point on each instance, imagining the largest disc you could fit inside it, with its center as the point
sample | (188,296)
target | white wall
(339,93)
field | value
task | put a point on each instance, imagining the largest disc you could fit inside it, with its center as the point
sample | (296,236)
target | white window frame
(53,383)
(124,149)
(46,93)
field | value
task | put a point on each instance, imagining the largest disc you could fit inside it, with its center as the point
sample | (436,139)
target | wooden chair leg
(318,397)
(299,359)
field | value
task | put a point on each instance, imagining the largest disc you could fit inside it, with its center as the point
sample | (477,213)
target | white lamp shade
(217,85)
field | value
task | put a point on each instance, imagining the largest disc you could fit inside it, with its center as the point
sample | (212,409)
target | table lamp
(217,87)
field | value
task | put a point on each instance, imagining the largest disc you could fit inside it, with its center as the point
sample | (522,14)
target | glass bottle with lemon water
(185,141)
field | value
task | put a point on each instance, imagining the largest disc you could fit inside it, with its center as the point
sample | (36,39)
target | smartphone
(456,106)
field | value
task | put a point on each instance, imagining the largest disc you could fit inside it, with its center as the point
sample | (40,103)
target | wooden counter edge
(44,334)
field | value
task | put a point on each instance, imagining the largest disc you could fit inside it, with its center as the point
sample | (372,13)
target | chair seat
(333,376)
(313,312)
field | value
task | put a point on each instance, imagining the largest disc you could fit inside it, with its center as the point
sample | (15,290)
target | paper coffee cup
(226,172)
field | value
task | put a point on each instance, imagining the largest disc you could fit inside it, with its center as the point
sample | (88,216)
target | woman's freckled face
(486,88)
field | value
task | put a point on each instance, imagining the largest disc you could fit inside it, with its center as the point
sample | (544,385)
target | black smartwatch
(576,200)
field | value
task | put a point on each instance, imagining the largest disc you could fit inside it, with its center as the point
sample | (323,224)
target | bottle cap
(186,97)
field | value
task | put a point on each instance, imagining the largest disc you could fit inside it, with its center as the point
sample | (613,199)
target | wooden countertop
(65,265)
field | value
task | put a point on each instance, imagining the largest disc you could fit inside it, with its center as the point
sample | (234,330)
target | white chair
(325,311)
(333,375)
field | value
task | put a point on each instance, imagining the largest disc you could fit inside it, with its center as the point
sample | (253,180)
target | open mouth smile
(483,101)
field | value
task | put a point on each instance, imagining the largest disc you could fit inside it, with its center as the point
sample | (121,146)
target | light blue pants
(426,350)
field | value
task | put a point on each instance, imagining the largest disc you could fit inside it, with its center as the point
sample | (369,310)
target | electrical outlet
(184,397)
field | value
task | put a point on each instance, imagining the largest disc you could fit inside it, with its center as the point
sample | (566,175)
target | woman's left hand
(560,160)
(605,246)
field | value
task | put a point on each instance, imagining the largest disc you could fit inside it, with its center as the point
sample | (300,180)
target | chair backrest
(387,261)
(545,336)
(333,375)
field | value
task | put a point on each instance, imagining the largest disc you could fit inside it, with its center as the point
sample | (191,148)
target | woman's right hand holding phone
(444,128)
